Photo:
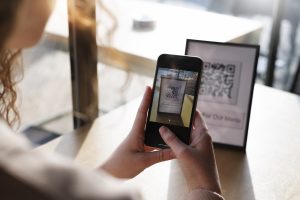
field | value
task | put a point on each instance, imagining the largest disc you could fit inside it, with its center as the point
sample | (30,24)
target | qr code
(172,92)
(220,82)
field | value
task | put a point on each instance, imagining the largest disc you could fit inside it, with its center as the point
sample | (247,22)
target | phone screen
(175,92)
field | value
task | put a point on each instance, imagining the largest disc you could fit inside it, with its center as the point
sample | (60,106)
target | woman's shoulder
(47,174)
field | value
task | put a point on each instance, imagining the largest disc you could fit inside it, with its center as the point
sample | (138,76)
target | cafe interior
(81,104)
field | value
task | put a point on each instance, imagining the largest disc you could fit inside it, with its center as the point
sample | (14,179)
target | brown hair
(8,95)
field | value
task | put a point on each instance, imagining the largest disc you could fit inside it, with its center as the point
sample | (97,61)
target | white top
(27,174)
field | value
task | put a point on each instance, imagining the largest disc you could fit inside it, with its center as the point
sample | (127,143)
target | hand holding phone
(197,160)
(131,158)
(174,98)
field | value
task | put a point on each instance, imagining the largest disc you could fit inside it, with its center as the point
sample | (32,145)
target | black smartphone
(174,98)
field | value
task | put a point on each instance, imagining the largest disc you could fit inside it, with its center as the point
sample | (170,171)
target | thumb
(172,141)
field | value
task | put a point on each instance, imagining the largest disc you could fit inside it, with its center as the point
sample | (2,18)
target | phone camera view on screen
(174,98)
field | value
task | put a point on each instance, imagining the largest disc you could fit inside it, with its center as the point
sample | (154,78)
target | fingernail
(147,88)
(163,130)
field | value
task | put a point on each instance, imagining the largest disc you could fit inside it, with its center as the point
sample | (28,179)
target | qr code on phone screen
(172,92)
(220,82)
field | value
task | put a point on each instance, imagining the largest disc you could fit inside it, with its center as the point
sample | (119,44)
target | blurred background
(47,70)
(264,11)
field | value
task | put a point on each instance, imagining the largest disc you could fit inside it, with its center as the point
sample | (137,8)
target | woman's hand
(196,160)
(131,157)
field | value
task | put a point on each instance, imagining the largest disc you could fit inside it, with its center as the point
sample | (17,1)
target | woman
(32,175)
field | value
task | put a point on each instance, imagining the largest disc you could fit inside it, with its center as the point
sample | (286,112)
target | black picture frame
(210,51)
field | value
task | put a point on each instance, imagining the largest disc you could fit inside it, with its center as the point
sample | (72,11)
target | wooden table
(268,170)
(174,25)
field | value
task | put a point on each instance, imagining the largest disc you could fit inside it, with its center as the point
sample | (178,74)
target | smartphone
(174,98)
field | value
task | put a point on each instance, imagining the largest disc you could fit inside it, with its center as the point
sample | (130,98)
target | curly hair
(8,95)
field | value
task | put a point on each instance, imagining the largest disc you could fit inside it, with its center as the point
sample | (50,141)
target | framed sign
(171,95)
(226,89)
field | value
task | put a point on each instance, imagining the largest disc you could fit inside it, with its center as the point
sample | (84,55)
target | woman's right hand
(196,160)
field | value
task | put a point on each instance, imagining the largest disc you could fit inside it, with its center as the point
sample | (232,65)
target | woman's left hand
(132,157)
